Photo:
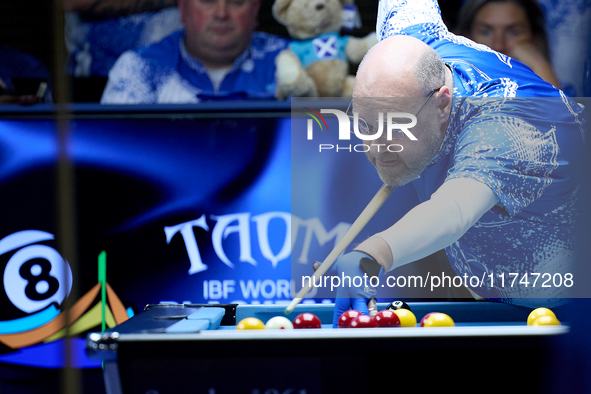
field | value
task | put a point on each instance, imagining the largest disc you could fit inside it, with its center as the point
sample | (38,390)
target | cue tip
(292,305)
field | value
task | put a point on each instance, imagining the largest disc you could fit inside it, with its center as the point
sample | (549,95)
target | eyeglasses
(364,128)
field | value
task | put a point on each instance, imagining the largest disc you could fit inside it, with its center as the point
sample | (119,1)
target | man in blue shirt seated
(217,56)
(494,162)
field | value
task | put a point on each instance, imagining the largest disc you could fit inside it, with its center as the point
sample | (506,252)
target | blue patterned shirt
(165,72)
(518,135)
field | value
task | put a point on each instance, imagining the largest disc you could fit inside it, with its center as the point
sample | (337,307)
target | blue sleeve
(394,16)
(515,156)
(137,75)
(128,82)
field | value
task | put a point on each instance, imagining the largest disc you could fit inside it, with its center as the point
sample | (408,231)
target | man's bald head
(395,69)
(399,66)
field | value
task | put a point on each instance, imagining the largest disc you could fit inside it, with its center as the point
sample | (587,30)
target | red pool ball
(425,318)
(387,318)
(306,320)
(347,316)
(363,321)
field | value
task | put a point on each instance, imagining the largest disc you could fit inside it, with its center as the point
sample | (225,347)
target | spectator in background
(217,56)
(99,31)
(512,27)
(23,78)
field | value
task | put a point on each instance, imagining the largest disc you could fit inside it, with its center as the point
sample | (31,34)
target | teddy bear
(316,63)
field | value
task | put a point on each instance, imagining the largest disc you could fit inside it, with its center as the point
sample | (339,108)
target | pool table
(177,348)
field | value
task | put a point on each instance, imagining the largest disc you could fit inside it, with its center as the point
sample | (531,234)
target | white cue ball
(279,323)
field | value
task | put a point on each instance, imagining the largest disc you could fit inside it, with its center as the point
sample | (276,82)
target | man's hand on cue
(356,276)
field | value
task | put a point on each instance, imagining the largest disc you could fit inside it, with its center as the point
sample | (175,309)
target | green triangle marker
(102,277)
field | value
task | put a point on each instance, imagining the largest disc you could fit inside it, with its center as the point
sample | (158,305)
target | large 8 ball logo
(36,275)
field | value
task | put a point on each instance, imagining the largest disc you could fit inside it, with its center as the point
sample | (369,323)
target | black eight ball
(398,305)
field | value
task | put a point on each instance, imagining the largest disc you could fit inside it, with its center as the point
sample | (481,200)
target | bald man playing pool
(494,161)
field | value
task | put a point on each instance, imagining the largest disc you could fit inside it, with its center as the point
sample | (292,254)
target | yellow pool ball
(250,323)
(407,318)
(439,320)
(546,320)
(537,313)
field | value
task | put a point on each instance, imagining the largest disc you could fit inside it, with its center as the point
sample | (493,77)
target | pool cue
(370,210)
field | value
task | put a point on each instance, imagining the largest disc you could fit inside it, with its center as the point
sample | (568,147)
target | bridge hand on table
(360,268)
